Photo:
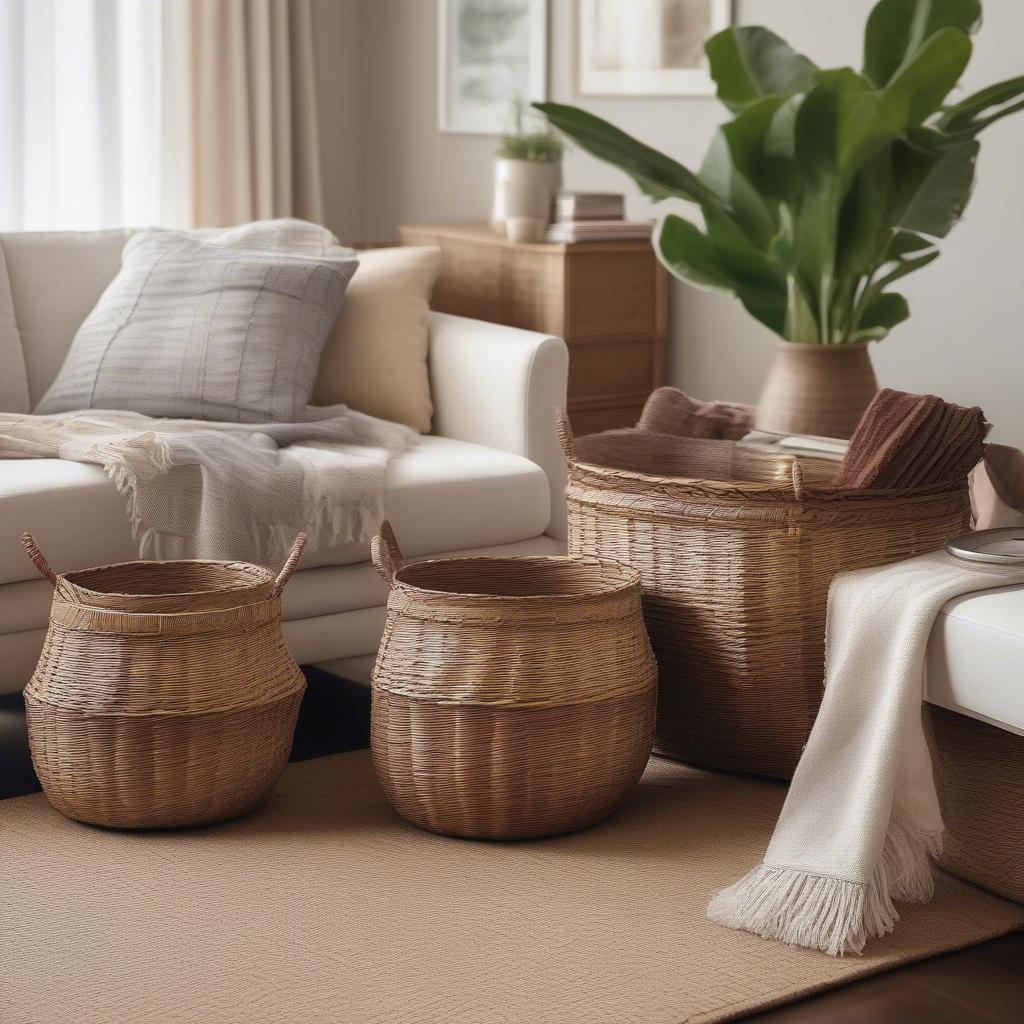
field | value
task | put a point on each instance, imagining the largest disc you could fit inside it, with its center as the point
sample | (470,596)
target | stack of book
(594,217)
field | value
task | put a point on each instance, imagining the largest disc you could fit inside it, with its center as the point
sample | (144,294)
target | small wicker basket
(512,697)
(736,549)
(165,695)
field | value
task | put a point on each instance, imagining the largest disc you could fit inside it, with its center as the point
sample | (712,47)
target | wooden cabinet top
(483,234)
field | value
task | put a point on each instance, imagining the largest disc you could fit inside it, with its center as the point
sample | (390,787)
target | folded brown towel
(670,411)
(906,440)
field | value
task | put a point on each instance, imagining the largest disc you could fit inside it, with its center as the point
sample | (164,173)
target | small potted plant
(825,188)
(527,174)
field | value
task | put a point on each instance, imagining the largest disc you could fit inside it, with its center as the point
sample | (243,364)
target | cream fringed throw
(200,489)
(861,820)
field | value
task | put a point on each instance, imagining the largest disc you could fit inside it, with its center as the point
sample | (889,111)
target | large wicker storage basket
(736,550)
(979,773)
(512,697)
(165,695)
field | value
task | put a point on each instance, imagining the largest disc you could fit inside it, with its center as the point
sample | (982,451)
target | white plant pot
(524,188)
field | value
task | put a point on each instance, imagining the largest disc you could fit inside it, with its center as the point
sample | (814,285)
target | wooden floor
(983,985)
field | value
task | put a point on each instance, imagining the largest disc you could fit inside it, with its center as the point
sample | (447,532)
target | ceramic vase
(821,390)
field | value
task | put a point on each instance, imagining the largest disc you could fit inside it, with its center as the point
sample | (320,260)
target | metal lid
(1004,546)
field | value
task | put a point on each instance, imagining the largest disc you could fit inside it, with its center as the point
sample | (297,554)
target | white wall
(964,341)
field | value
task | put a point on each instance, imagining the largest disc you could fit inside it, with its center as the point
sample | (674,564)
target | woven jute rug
(324,906)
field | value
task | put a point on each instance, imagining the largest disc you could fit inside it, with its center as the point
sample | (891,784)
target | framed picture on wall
(490,52)
(646,47)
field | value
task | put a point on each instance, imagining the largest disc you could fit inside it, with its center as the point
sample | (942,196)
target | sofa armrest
(499,386)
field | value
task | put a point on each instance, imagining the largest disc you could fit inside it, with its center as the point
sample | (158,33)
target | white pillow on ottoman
(194,329)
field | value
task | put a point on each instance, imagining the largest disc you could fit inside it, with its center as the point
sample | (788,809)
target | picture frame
(620,44)
(490,52)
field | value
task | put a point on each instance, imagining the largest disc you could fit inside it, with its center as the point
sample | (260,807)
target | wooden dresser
(606,299)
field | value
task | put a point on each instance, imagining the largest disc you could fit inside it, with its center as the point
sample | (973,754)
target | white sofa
(489,479)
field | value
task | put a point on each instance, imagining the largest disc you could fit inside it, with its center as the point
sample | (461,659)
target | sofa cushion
(376,358)
(441,495)
(56,277)
(195,330)
(14,395)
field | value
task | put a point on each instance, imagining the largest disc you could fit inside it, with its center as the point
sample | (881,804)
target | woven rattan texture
(979,770)
(165,694)
(512,697)
(735,577)
(325,907)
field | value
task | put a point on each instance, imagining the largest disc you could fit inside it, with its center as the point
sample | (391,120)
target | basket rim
(774,489)
(626,578)
(267,576)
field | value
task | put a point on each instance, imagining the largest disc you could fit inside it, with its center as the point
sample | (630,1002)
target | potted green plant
(527,174)
(825,188)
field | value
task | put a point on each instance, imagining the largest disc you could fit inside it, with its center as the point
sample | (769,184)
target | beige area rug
(324,906)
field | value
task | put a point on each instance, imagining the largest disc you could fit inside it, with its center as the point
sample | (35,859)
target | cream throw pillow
(376,358)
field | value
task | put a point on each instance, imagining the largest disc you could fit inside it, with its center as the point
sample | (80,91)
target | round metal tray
(1004,546)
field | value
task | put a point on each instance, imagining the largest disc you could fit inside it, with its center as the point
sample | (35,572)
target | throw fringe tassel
(827,913)
(148,456)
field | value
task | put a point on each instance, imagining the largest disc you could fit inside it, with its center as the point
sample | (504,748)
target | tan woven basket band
(591,474)
(243,703)
(104,620)
(806,512)
(609,480)
(555,698)
(539,612)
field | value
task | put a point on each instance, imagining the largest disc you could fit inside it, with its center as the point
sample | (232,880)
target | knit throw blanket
(861,820)
(200,489)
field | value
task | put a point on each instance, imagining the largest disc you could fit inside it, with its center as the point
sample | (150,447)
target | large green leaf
(904,267)
(690,255)
(758,158)
(748,62)
(801,322)
(983,122)
(930,186)
(659,176)
(781,174)
(841,123)
(903,243)
(747,263)
(862,228)
(896,30)
(815,237)
(729,167)
(879,316)
(962,116)
(925,79)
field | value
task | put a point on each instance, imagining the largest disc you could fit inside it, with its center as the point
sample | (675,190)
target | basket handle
(797,474)
(566,440)
(289,566)
(28,542)
(387,555)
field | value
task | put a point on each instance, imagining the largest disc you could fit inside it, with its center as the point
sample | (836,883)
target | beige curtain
(255,151)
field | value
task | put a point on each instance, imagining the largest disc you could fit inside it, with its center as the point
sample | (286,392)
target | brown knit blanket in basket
(670,411)
(906,440)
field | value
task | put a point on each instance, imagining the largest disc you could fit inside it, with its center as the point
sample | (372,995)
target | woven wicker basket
(512,697)
(736,549)
(979,773)
(165,695)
